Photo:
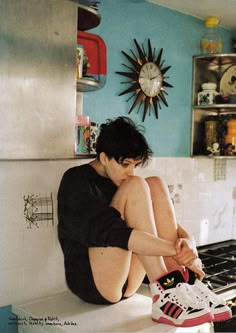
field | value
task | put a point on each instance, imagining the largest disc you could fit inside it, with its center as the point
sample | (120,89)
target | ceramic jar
(93,137)
(208,94)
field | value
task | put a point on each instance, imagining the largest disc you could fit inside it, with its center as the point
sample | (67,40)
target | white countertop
(66,313)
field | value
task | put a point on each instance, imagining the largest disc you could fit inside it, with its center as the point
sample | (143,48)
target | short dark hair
(121,138)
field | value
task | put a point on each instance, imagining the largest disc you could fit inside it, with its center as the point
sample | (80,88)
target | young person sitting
(115,228)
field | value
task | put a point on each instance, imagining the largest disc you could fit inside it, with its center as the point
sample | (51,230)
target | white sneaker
(215,303)
(174,302)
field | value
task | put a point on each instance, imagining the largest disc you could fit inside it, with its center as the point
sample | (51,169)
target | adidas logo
(169,282)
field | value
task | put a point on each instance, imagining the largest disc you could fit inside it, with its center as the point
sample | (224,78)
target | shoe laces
(206,293)
(188,297)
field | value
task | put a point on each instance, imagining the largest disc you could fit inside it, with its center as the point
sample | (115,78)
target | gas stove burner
(219,264)
(218,251)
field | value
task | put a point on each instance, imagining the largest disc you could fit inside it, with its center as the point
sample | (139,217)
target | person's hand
(187,256)
(196,267)
(186,252)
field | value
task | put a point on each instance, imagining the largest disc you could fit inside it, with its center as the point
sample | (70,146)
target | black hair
(122,138)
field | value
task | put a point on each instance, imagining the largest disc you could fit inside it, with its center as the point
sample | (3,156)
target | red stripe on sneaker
(177,313)
(174,306)
(168,304)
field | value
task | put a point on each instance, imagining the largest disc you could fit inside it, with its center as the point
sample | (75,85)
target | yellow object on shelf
(212,21)
(211,41)
(230,137)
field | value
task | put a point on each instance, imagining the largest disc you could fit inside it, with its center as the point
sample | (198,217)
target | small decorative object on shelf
(79,61)
(94,62)
(86,133)
(208,94)
(93,137)
(82,135)
(211,134)
(230,138)
(215,149)
(211,41)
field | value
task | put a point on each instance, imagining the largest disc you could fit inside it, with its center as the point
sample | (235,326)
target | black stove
(219,262)
(219,265)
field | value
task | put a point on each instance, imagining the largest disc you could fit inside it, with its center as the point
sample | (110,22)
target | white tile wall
(31,262)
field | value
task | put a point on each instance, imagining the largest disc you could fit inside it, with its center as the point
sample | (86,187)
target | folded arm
(187,254)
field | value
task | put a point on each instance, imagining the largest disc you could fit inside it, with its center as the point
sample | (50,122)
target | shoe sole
(222,316)
(206,318)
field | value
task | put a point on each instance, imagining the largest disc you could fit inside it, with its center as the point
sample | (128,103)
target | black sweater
(85,216)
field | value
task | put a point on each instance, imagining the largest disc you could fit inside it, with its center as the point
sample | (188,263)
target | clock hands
(154,77)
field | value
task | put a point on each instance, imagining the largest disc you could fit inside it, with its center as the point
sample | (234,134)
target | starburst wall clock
(147,80)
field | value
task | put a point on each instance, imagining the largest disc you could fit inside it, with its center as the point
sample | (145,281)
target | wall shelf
(216,108)
(95,48)
(88,17)
(86,85)
(211,68)
(85,156)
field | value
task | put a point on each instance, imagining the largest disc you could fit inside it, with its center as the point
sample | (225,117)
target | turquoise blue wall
(178,34)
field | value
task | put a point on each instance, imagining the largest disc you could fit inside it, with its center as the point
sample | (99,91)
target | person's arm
(189,244)
(147,244)
(187,254)
(84,215)
(185,245)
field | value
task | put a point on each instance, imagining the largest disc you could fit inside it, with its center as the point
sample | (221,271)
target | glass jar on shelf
(211,134)
(211,41)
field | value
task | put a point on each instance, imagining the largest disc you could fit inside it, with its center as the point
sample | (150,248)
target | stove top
(219,261)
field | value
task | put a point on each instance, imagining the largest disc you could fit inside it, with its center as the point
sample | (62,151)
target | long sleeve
(84,211)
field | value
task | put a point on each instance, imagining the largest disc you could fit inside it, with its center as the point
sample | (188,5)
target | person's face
(118,172)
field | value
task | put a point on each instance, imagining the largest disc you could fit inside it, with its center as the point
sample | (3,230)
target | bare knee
(130,187)
(155,181)
(113,296)
(135,183)
(157,185)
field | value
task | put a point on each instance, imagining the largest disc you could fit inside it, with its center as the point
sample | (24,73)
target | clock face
(146,78)
(150,79)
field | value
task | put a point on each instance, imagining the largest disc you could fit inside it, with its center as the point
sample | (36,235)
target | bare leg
(112,266)
(164,214)
(136,204)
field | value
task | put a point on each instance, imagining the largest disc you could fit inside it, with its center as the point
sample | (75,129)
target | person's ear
(103,158)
